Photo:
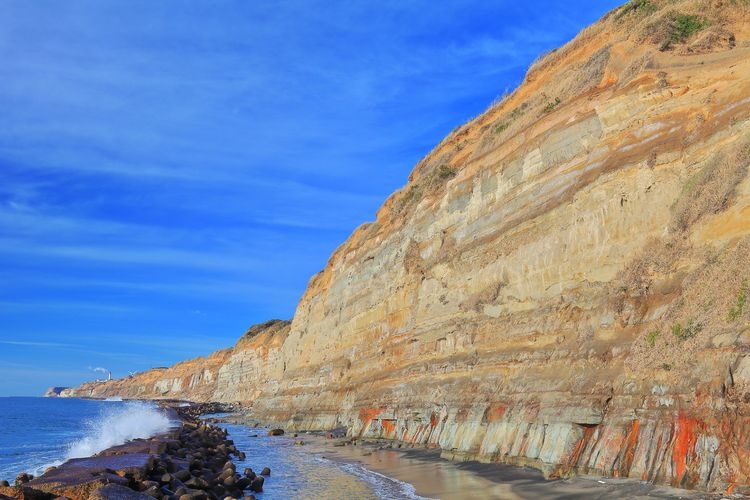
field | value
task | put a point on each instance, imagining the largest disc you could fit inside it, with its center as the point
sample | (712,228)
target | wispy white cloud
(141,256)
(90,306)
(27,343)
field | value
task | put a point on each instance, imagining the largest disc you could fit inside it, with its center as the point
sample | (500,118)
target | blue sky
(173,172)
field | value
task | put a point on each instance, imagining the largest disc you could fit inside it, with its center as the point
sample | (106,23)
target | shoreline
(138,467)
(435,477)
(414,465)
(497,480)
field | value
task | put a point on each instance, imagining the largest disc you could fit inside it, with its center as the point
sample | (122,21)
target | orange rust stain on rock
(684,443)
(495,413)
(367,414)
(631,441)
(433,420)
(575,455)
(389,427)
(417,434)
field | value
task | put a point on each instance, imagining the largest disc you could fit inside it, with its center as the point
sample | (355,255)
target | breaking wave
(118,425)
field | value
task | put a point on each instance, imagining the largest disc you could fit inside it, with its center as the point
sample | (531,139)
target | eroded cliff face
(562,283)
(195,379)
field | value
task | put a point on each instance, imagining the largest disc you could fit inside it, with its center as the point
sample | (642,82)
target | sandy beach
(434,477)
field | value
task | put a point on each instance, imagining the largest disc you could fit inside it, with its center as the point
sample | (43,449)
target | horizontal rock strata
(562,283)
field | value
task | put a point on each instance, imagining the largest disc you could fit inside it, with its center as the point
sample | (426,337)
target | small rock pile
(198,465)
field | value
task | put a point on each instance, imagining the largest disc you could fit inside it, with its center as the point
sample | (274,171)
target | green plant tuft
(682,27)
(688,331)
(651,337)
(445,172)
(511,117)
(501,127)
(551,105)
(739,305)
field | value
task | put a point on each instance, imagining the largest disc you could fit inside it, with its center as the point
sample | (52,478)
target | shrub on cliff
(674,28)
(737,308)
(711,189)
(688,331)
(431,182)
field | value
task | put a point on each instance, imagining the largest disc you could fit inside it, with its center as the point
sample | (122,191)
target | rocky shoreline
(193,461)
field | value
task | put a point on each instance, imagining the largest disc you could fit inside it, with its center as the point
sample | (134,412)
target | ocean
(36,433)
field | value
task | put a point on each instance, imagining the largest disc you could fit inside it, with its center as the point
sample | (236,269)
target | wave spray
(118,425)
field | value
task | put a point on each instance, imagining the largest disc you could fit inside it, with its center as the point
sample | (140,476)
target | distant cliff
(54,392)
(563,282)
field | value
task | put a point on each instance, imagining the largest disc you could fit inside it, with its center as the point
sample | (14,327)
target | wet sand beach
(434,477)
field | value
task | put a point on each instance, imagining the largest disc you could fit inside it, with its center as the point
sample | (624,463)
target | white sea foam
(386,487)
(118,425)
(114,398)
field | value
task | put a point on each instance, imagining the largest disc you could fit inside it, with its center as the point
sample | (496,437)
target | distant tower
(109,375)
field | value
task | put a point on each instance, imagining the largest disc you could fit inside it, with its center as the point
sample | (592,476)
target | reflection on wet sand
(434,477)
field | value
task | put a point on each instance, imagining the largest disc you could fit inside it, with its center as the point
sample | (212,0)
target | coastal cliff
(562,283)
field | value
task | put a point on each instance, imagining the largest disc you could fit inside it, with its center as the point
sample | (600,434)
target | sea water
(36,433)
(298,473)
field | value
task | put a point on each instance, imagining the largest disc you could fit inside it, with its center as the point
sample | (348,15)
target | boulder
(276,432)
(23,478)
(257,484)
(265,472)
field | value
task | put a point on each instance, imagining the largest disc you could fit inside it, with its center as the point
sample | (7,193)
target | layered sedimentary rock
(195,379)
(563,282)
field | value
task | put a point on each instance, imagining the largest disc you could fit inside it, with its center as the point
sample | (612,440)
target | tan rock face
(562,283)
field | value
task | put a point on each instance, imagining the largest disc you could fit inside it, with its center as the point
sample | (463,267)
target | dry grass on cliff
(688,26)
(430,183)
(711,189)
(712,299)
(711,312)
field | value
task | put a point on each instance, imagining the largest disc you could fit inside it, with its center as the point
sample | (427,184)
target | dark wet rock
(182,475)
(257,484)
(23,478)
(167,492)
(243,483)
(265,472)
(154,492)
(195,495)
(197,483)
(149,484)
(276,432)
(117,492)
